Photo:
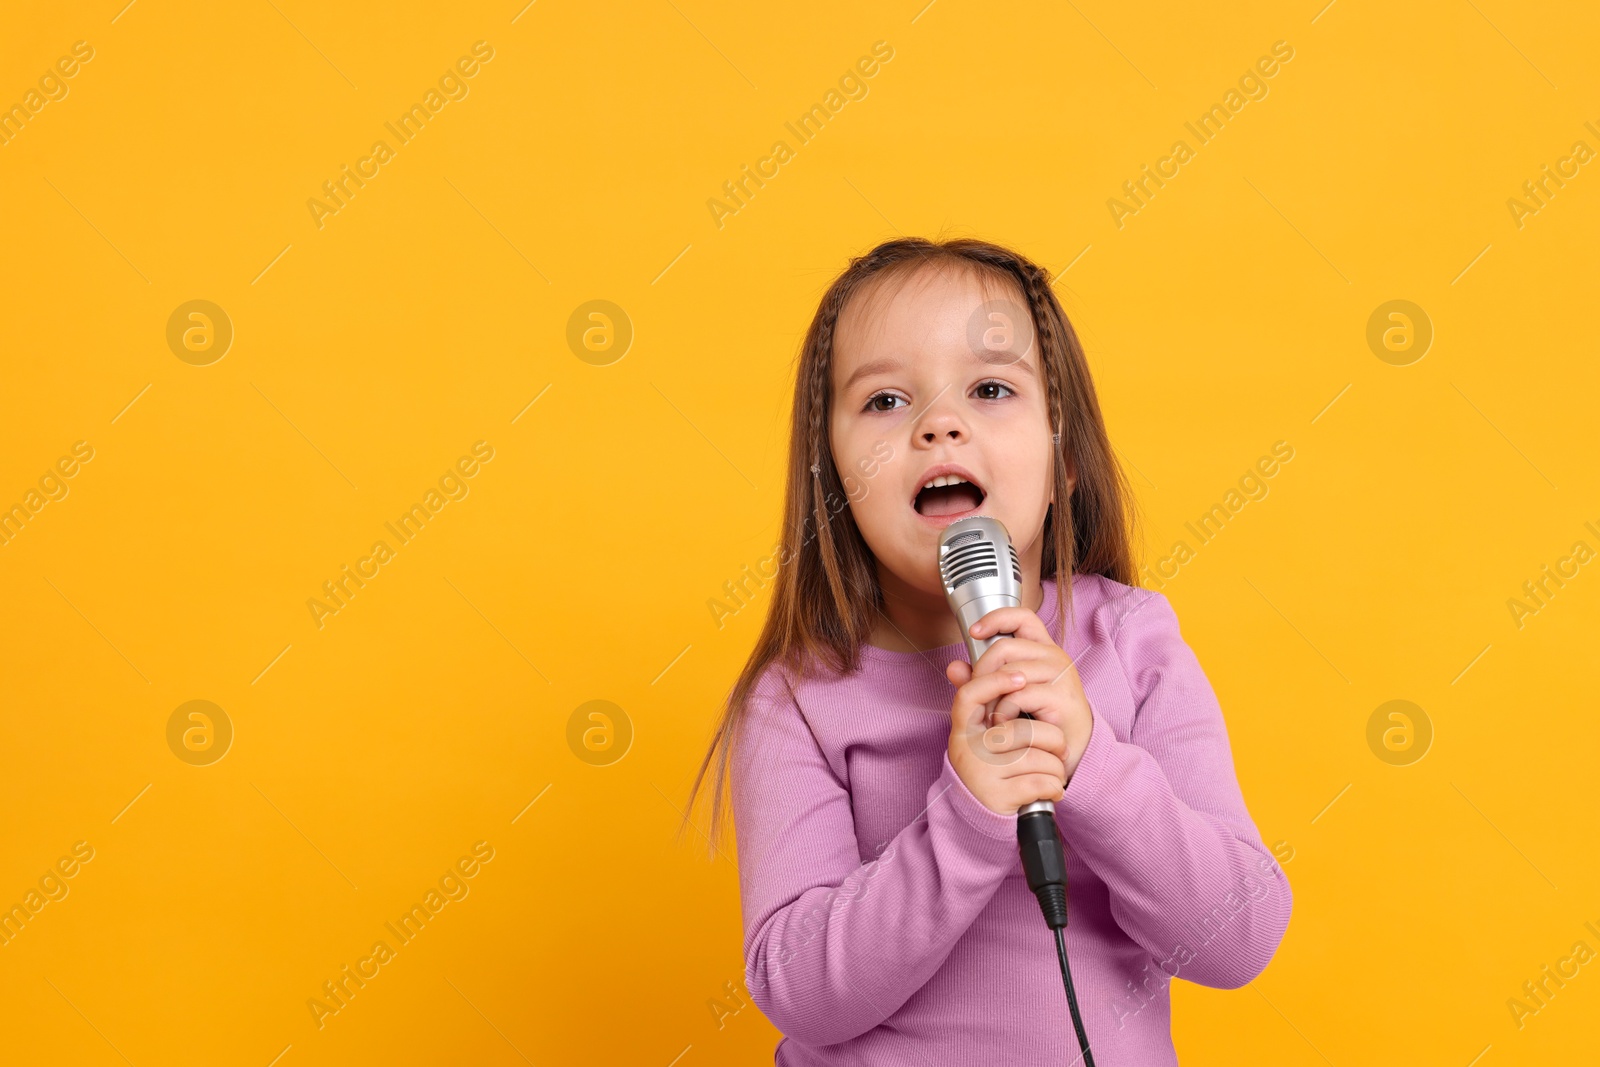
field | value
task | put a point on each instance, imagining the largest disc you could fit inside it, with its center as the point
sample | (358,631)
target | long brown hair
(826,595)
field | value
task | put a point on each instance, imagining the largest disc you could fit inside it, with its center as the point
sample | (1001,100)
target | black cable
(1044,862)
(1072,999)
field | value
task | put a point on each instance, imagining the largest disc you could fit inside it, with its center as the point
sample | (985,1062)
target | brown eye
(992,390)
(884,402)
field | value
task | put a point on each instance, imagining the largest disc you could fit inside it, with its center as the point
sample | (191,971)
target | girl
(887,918)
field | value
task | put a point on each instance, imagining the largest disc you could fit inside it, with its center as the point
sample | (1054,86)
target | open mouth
(948,494)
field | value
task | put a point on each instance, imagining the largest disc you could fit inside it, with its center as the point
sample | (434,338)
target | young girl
(887,918)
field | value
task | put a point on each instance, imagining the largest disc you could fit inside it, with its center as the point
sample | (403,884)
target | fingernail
(1017,679)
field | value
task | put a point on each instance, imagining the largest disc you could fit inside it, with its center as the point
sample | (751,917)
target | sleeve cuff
(970,808)
(1089,779)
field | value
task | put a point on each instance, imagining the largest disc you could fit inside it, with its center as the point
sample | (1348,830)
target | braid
(1061,544)
(820,368)
(1036,286)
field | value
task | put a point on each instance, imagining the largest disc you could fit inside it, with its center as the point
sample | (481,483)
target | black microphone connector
(1045,864)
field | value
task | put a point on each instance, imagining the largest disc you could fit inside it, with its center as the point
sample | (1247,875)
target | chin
(921,576)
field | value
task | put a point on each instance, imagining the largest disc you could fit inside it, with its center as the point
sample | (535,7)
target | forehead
(940,310)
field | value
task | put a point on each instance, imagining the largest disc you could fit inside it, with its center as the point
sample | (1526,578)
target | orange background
(434,710)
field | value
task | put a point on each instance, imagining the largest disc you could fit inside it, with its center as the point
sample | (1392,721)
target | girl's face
(949,375)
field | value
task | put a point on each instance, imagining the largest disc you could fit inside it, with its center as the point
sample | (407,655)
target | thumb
(959,672)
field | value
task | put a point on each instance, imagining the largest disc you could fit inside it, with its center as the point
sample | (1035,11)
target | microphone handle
(975,649)
(1044,860)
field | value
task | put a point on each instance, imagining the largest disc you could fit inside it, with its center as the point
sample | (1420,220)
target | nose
(940,422)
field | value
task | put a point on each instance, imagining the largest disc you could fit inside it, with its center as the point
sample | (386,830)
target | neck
(915,620)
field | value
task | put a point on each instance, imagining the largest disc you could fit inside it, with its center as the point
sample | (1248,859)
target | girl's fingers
(969,709)
(1019,734)
(1036,671)
(1035,698)
(1018,622)
(959,672)
(1015,652)
(1039,777)
(1032,787)
(1036,761)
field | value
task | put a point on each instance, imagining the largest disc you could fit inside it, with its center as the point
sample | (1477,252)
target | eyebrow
(1002,358)
(1006,358)
(876,366)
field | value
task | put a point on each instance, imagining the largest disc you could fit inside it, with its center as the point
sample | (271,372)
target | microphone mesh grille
(969,557)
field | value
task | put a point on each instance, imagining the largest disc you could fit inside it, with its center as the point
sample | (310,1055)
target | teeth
(945,479)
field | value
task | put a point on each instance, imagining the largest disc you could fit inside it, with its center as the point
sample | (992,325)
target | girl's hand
(1006,765)
(1053,693)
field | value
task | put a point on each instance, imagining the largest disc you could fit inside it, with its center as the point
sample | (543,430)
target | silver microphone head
(980,571)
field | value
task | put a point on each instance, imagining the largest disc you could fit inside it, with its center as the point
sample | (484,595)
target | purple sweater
(886,917)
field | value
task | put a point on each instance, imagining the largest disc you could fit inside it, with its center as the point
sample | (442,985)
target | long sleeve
(834,945)
(1161,819)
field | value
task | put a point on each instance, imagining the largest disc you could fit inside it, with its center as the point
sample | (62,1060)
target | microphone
(980,571)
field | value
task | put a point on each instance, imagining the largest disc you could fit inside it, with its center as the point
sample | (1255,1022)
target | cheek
(851,445)
(872,503)
(1027,473)
(886,485)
